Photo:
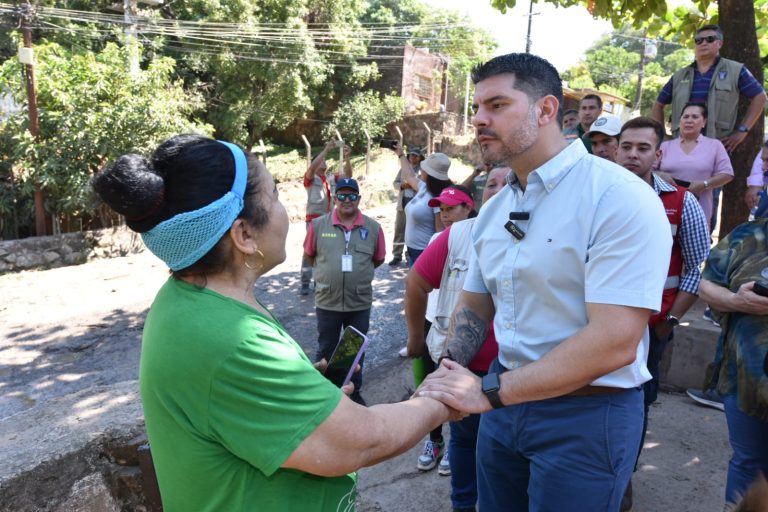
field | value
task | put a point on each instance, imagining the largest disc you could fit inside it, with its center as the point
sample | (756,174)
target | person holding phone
(734,268)
(344,247)
(319,192)
(404,194)
(421,220)
(237,416)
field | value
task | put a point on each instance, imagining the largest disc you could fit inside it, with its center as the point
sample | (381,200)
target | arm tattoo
(466,334)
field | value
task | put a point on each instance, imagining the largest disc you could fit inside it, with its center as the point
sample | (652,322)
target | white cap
(607,125)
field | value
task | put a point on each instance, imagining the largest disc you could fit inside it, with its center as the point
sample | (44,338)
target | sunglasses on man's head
(343,197)
(709,39)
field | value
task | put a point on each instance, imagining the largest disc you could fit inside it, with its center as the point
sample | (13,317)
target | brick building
(419,77)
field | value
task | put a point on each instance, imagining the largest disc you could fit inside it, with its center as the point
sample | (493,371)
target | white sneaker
(444,468)
(429,457)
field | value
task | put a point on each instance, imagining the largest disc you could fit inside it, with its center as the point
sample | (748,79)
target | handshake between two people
(452,384)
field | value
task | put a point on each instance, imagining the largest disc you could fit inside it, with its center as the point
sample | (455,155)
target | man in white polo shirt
(570,260)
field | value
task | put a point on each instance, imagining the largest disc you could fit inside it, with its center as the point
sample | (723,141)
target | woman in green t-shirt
(237,416)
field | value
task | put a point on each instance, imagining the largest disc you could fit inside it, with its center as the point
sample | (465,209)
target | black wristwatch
(491,387)
(742,129)
(672,320)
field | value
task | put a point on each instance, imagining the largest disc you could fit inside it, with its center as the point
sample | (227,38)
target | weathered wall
(67,249)
(77,453)
(421,67)
(441,123)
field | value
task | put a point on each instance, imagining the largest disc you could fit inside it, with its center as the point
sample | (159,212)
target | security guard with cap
(345,247)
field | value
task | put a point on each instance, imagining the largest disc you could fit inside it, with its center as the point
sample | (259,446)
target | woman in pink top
(692,157)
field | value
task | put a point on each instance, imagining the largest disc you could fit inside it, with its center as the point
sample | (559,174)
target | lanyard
(347,238)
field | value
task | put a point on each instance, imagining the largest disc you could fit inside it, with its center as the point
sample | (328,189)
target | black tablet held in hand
(346,356)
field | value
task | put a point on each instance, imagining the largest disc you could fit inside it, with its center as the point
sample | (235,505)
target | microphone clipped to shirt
(513,228)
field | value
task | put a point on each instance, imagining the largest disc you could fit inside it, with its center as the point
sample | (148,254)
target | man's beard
(516,143)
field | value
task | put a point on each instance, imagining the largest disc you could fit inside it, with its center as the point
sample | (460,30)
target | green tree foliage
(662,18)
(91,110)
(232,68)
(250,87)
(364,111)
(612,65)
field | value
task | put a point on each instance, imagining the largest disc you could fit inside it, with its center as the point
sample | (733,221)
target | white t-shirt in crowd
(419,219)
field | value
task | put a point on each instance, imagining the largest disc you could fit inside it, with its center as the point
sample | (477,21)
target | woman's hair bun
(131,187)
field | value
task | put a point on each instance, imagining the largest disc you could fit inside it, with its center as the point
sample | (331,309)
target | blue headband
(185,238)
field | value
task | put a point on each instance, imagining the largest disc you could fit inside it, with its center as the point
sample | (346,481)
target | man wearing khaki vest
(345,247)
(716,82)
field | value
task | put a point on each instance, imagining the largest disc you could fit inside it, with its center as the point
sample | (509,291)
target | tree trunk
(737,19)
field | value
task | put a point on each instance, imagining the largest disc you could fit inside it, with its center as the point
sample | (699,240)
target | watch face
(491,382)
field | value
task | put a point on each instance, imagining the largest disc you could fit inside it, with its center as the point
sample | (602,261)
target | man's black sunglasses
(343,197)
(709,39)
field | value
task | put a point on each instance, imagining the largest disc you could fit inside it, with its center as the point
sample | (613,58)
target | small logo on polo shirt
(328,235)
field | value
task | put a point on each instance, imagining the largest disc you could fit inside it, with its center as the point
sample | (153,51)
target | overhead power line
(288,42)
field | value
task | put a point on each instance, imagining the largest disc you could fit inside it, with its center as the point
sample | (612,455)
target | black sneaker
(304,290)
(395,261)
(708,397)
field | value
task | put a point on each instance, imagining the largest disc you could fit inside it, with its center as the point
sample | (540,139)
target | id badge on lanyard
(346,258)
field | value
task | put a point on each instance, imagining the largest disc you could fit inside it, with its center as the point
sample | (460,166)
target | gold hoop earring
(258,265)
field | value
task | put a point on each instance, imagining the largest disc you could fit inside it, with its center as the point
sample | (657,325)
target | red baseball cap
(452,197)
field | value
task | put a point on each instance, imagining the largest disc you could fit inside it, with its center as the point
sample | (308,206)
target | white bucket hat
(437,165)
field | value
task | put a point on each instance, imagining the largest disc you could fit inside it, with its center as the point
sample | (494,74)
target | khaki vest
(344,291)
(722,100)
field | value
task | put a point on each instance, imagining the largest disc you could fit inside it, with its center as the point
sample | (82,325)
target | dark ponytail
(132,188)
(187,172)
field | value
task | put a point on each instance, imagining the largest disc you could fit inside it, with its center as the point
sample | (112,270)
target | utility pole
(27,16)
(130,15)
(528,35)
(466,105)
(649,52)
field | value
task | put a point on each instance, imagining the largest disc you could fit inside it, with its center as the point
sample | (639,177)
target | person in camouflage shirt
(740,366)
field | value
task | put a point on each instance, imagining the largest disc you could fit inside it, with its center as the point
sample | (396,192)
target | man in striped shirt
(639,148)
